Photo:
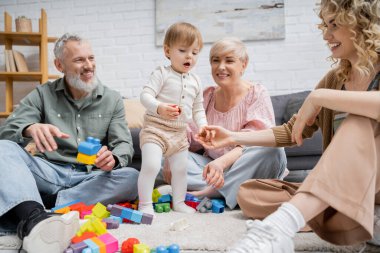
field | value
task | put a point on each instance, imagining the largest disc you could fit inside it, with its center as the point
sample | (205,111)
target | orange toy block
(100,243)
(86,235)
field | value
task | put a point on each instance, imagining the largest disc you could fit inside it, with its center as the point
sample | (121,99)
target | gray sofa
(300,159)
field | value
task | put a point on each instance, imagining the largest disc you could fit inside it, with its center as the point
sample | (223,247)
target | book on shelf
(11,61)
(20,61)
(6,58)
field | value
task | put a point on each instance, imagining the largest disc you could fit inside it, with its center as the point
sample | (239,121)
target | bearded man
(57,116)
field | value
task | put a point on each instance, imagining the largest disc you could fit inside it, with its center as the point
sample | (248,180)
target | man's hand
(215,137)
(43,135)
(104,159)
(213,174)
(168,111)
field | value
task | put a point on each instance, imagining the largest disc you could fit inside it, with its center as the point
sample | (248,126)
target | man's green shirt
(100,115)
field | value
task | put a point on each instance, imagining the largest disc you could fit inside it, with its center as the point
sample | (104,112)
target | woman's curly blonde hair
(362,17)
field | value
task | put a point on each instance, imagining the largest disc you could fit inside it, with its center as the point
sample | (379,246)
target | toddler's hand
(168,111)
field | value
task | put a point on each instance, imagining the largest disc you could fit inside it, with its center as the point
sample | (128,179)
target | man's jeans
(25,178)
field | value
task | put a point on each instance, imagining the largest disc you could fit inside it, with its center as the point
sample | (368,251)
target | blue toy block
(161,249)
(92,245)
(220,201)
(190,197)
(64,205)
(126,213)
(89,147)
(136,216)
(174,248)
(165,198)
(217,207)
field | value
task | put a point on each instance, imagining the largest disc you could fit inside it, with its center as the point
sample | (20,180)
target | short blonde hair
(183,32)
(229,45)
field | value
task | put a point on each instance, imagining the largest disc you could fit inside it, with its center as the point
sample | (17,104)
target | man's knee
(9,146)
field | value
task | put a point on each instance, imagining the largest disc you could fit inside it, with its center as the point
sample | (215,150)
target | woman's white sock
(287,219)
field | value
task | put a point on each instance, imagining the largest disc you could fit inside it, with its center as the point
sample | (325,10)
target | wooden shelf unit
(39,39)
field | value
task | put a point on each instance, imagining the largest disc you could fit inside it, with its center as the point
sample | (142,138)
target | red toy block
(192,204)
(127,245)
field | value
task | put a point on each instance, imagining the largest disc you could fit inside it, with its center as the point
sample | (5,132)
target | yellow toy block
(63,210)
(141,248)
(86,159)
(100,243)
(93,225)
(155,195)
(100,211)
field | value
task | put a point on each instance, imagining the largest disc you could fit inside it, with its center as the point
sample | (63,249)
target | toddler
(173,97)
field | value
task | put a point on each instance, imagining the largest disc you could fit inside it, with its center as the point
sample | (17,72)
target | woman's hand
(166,172)
(213,174)
(305,116)
(215,137)
(168,111)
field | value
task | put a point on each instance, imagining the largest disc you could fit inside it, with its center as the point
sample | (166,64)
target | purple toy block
(111,223)
(76,248)
(115,210)
(147,218)
(89,147)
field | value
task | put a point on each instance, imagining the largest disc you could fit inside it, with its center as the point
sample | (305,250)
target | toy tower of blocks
(87,150)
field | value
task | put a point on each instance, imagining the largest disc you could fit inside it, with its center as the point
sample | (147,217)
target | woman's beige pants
(347,178)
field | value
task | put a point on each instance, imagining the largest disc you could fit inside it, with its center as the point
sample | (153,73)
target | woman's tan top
(324,119)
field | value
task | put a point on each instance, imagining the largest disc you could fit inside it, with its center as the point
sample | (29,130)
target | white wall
(122,35)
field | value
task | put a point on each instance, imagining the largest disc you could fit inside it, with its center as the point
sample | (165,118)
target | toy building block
(100,211)
(111,223)
(76,248)
(127,245)
(136,216)
(115,210)
(155,195)
(141,248)
(147,218)
(179,225)
(164,198)
(192,204)
(162,207)
(64,210)
(89,147)
(206,202)
(91,245)
(87,150)
(92,225)
(112,244)
(84,236)
(174,248)
(64,205)
(100,244)
(86,159)
(217,207)
(190,197)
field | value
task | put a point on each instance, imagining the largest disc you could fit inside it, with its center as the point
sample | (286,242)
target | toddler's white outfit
(160,136)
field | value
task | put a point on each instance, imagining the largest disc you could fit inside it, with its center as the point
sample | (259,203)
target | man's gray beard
(75,82)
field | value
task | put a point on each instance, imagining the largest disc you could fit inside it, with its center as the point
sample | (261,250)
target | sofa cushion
(134,113)
(287,104)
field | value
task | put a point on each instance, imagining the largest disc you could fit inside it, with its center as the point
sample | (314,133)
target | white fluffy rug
(207,232)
